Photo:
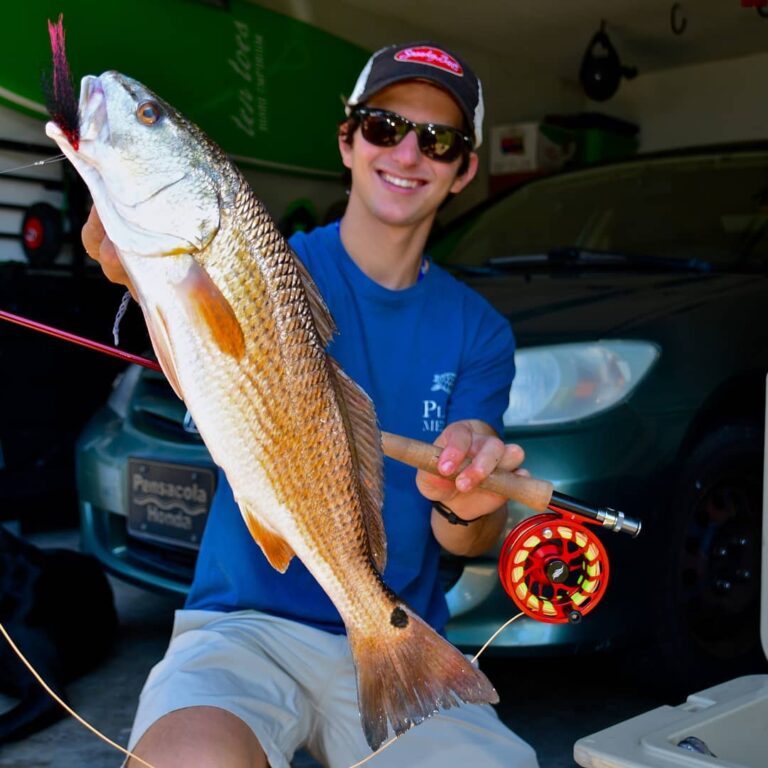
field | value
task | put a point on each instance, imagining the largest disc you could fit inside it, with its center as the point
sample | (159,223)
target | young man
(259,665)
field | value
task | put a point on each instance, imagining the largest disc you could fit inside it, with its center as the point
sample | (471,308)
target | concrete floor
(550,703)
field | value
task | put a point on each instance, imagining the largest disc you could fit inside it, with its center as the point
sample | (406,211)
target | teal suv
(638,294)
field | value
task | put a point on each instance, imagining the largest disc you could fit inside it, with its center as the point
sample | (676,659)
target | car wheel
(710,622)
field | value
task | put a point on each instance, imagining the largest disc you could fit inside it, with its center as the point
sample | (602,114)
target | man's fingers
(101,249)
(92,234)
(492,454)
(513,457)
(488,456)
(109,260)
(457,440)
(486,452)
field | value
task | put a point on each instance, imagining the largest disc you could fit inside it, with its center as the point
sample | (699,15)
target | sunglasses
(383,128)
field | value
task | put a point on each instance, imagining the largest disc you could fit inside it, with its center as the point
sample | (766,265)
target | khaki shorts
(294,686)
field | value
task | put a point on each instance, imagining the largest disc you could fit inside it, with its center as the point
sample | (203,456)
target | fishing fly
(59,90)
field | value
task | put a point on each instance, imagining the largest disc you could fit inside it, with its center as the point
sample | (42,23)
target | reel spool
(554,568)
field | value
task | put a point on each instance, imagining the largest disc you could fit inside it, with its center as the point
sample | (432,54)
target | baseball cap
(423,60)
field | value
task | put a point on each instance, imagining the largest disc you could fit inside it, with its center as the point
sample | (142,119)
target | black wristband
(449,514)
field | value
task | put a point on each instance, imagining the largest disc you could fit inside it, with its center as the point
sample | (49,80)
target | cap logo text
(433,57)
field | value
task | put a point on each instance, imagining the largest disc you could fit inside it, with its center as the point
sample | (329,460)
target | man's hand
(100,248)
(476,441)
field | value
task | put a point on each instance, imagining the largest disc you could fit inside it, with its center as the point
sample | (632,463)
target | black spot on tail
(399,618)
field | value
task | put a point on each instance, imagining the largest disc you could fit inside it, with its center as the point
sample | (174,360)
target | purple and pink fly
(60,98)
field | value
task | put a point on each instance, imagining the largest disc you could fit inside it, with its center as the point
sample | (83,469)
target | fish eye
(148,112)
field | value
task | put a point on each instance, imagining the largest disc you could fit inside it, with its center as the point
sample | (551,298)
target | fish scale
(292,321)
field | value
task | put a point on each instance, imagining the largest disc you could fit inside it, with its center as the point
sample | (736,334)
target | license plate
(169,503)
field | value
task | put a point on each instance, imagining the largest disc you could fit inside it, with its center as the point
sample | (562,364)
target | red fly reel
(554,567)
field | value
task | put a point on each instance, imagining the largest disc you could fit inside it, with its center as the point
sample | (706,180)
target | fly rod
(533,493)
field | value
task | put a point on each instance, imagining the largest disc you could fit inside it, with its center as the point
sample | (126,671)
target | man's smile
(400,181)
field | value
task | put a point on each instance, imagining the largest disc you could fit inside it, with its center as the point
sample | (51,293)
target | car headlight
(566,382)
(122,390)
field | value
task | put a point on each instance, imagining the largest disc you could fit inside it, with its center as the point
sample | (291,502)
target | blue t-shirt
(427,355)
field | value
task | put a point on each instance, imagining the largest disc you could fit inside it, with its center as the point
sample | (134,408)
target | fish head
(155,178)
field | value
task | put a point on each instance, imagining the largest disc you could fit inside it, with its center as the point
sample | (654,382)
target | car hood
(558,307)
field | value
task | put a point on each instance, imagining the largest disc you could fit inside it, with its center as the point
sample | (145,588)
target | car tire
(710,596)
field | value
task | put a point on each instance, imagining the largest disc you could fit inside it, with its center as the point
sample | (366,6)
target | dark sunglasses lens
(383,130)
(439,143)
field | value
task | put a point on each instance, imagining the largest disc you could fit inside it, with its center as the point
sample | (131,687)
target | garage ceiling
(554,34)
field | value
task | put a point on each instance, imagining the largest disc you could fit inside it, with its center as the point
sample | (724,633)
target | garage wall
(703,104)
(18,127)
(514,91)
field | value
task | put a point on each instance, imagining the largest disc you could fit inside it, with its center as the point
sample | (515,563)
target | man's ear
(345,148)
(461,181)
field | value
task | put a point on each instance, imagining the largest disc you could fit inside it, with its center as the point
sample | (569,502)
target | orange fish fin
(161,343)
(406,672)
(324,323)
(209,310)
(365,438)
(275,548)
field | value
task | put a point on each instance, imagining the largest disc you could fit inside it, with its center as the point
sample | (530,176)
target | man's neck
(390,255)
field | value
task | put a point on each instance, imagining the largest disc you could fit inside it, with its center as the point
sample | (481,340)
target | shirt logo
(432,416)
(433,411)
(443,382)
(432,57)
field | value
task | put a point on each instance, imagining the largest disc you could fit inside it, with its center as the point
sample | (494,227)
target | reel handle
(535,494)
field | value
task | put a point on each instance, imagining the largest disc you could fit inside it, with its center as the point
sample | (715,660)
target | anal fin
(275,548)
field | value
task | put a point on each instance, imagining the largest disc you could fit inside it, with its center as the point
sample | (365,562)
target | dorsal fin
(365,439)
(322,316)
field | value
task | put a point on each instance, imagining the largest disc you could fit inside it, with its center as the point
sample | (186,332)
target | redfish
(241,331)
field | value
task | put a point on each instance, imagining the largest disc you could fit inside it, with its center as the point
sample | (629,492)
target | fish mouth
(94,129)
(94,124)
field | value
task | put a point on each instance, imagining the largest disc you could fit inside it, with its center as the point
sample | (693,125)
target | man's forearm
(473,539)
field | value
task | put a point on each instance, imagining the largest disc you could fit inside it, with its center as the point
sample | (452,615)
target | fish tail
(409,672)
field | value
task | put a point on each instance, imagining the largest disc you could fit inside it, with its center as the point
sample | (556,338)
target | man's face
(399,185)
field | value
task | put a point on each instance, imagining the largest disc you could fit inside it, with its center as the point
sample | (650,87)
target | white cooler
(731,719)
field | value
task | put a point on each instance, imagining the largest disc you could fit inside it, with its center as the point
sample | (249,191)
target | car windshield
(710,210)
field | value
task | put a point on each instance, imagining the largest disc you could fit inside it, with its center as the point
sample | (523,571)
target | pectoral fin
(210,312)
(275,548)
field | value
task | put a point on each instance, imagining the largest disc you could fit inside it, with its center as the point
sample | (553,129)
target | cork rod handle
(535,494)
